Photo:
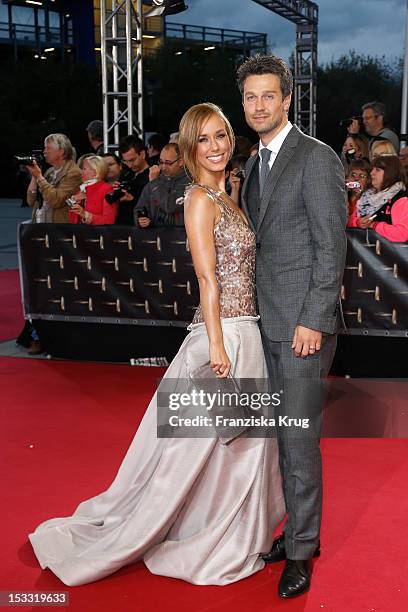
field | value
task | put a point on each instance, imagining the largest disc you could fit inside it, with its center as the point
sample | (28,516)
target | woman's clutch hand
(219,360)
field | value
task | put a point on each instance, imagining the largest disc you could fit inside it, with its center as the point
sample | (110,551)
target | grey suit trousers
(299,449)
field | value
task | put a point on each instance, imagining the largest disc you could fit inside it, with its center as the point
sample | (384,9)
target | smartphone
(353,185)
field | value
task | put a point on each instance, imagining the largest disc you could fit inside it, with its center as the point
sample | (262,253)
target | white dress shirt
(275,145)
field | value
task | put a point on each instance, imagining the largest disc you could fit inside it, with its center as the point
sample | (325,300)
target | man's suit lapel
(251,163)
(285,154)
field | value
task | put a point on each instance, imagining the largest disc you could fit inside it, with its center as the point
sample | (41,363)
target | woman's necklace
(218,192)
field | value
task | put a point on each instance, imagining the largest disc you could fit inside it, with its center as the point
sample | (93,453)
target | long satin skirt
(193,509)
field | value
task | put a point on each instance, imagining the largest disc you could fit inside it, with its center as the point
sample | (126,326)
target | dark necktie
(263,173)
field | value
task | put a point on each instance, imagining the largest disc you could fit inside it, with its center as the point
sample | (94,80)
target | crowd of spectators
(376,175)
(143,184)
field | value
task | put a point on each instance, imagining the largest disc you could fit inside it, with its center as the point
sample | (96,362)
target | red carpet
(65,428)
(11,312)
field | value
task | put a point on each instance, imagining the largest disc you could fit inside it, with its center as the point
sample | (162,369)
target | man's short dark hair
(266,64)
(115,157)
(157,141)
(131,142)
(95,129)
(173,145)
(377,107)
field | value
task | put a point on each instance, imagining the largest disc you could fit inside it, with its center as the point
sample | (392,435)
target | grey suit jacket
(301,240)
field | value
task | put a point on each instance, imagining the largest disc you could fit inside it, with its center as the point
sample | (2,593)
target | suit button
(258,209)
(258,245)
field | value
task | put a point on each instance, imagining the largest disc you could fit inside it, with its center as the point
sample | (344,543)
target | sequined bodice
(235,247)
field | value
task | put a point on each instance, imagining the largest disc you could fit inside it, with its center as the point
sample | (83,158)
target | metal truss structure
(305,15)
(122,73)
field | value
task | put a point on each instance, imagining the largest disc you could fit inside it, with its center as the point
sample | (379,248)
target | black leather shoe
(295,579)
(278,552)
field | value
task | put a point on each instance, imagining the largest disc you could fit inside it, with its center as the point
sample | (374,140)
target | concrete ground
(11,214)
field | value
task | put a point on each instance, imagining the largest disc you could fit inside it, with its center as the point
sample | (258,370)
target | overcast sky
(372,27)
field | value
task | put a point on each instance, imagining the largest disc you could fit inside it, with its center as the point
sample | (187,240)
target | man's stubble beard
(271,127)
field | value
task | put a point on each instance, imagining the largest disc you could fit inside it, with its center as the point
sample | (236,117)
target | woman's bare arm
(201,215)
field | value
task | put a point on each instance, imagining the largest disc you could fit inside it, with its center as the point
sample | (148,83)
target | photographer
(133,155)
(114,168)
(48,194)
(373,116)
(236,177)
(162,200)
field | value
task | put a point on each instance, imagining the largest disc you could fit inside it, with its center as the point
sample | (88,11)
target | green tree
(345,84)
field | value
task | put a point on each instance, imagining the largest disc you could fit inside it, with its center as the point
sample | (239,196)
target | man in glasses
(374,116)
(373,119)
(162,200)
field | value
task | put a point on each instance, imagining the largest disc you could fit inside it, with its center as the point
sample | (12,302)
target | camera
(71,201)
(28,160)
(114,196)
(240,174)
(347,122)
(142,212)
(353,185)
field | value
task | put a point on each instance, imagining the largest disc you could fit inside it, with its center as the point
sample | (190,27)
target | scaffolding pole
(122,71)
(404,104)
(305,14)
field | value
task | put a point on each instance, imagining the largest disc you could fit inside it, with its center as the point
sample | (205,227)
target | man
(95,136)
(155,144)
(48,194)
(373,119)
(133,155)
(163,197)
(295,201)
(114,168)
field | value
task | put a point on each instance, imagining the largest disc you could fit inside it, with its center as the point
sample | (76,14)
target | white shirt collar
(275,144)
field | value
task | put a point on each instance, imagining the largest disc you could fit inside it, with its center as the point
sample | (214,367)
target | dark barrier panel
(107,274)
(140,285)
(375,285)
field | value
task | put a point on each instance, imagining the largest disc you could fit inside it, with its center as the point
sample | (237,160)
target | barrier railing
(122,275)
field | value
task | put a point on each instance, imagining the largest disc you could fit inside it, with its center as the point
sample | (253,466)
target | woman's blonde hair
(387,148)
(191,125)
(99,164)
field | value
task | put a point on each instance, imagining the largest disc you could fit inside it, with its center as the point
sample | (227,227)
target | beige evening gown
(194,509)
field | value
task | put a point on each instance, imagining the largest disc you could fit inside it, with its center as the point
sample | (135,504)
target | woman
(357,143)
(195,509)
(91,206)
(381,146)
(384,207)
(357,181)
(355,147)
